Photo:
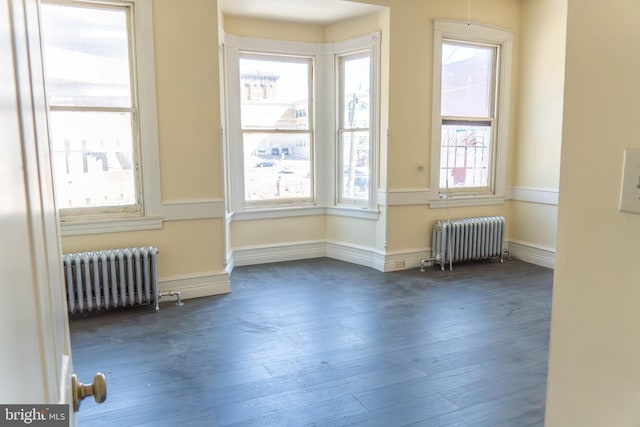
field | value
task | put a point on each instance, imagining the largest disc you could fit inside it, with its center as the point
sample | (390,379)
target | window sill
(462,201)
(291,212)
(109,225)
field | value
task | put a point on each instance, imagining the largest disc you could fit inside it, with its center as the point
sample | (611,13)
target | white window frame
(465,32)
(370,46)
(324,110)
(234,48)
(283,202)
(96,220)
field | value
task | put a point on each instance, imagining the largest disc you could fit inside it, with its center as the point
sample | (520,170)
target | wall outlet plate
(630,193)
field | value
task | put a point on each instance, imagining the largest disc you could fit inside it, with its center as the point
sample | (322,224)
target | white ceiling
(312,11)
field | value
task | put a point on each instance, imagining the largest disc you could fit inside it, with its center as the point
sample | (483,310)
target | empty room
(320,212)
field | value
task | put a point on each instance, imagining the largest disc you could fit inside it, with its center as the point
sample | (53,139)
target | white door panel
(35,362)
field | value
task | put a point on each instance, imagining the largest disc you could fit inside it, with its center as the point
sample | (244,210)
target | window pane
(467,73)
(465,156)
(93,159)
(274,93)
(86,56)
(356,93)
(277,166)
(354,162)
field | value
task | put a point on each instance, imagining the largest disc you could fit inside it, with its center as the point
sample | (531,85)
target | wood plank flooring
(327,343)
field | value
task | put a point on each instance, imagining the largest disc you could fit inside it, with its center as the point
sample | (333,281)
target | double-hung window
(470,128)
(276,118)
(92,80)
(357,65)
(91,106)
(354,127)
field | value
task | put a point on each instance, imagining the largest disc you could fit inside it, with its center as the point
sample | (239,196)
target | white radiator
(111,278)
(468,239)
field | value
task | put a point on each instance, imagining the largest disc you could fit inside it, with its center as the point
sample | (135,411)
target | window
(277,132)
(354,132)
(302,121)
(470,129)
(97,75)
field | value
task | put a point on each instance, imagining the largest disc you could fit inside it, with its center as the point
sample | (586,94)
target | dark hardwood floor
(323,342)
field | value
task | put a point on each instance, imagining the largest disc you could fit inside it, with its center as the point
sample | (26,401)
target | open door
(35,355)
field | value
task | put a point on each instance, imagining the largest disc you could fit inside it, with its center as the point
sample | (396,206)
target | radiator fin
(107,279)
(468,239)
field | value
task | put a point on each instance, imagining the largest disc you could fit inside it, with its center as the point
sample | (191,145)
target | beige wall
(352,231)
(594,374)
(274,30)
(188,98)
(536,157)
(356,27)
(542,51)
(534,224)
(277,231)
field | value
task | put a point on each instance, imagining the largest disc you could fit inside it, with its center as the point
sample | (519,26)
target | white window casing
(147,215)
(365,46)
(473,33)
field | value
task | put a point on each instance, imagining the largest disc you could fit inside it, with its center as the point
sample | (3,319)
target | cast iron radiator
(112,278)
(467,239)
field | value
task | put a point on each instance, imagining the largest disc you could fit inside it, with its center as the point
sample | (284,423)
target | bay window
(302,121)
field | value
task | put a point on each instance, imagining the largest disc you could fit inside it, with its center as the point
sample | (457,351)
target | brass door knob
(97,389)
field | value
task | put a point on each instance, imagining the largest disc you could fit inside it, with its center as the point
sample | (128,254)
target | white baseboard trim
(195,286)
(360,255)
(354,254)
(369,257)
(405,259)
(533,254)
(265,254)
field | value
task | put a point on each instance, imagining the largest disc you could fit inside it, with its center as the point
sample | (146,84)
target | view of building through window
(354,127)
(276,127)
(468,98)
(92,108)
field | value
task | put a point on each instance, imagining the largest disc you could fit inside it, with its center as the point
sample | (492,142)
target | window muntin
(465,158)
(277,137)
(89,72)
(92,171)
(468,106)
(354,132)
